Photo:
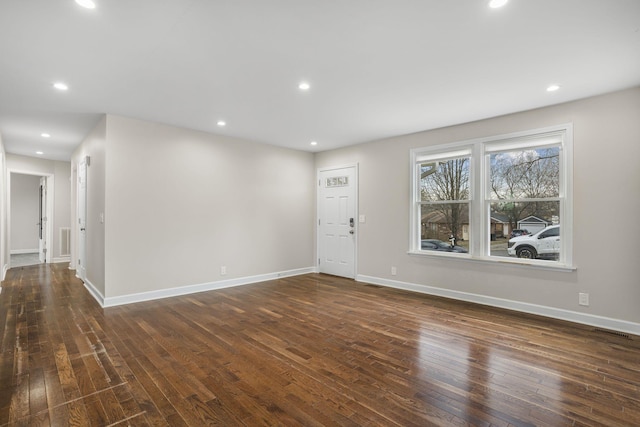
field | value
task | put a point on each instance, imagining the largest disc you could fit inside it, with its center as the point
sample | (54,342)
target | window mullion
(477,214)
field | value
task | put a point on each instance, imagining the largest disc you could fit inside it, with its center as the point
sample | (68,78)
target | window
(504,198)
(444,198)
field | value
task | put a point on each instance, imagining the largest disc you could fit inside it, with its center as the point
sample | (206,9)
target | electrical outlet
(223,270)
(583,298)
(394,271)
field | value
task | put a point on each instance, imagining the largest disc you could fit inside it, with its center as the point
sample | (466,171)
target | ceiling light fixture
(304,86)
(314,143)
(87,4)
(61,86)
(39,152)
(494,4)
(45,135)
(553,88)
(221,123)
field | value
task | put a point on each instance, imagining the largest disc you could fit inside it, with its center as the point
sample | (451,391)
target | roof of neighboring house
(533,220)
(496,217)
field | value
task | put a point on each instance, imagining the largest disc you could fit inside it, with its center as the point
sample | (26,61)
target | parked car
(543,244)
(439,245)
(518,232)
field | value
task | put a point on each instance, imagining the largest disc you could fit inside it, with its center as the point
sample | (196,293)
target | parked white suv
(544,244)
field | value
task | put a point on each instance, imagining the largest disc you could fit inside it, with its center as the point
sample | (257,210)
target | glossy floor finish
(311,350)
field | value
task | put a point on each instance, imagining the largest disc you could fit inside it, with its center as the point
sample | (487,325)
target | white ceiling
(377,68)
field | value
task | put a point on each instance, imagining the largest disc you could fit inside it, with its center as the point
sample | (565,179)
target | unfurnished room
(319,213)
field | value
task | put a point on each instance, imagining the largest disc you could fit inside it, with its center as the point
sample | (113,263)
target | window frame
(480,198)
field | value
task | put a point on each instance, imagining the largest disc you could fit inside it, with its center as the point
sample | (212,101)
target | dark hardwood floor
(311,350)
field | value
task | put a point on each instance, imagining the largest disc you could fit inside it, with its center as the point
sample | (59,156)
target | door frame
(43,218)
(80,255)
(356,168)
(48,232)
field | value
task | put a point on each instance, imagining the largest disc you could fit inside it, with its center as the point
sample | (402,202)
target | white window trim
(479,215)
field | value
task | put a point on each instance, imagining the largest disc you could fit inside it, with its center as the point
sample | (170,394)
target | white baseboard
(556,313)
(95,293)
(61,259)
(192,289)
(24,251)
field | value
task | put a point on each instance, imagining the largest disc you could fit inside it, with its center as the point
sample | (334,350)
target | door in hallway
(82,220)
(42,218)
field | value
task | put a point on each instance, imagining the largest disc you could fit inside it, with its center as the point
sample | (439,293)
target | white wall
(25,213)
(606,207)
(60,171)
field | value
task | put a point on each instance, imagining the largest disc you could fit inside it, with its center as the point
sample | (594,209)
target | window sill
(516,262)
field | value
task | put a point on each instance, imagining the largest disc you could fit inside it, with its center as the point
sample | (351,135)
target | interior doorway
(30,203)
(81,271)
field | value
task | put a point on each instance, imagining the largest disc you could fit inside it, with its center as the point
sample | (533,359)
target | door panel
(337,221)
(82,219)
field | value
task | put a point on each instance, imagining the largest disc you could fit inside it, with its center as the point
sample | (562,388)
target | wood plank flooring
(312,350)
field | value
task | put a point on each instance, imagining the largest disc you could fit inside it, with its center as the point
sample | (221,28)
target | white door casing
(43,221)
(82,220)
(337,221)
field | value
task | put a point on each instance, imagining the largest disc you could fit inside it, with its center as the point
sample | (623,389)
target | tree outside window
(444,195)
(524,184)
(484,192)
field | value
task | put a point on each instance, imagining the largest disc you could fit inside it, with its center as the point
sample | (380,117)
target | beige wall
(179,204)
(25,205)
(606,207)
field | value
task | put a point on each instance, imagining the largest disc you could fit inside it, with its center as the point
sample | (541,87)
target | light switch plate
(583,298)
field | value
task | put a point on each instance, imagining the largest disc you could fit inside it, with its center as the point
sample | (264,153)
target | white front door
(337,197)
(42,225)
(82,219)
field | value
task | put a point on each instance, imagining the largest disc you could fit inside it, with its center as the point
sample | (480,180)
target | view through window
(523,196)
(503,198)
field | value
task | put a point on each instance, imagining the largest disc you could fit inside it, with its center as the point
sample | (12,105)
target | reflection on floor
(20,260)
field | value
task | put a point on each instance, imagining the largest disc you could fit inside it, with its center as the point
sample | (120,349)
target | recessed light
(314,142)
(553,88)
(88,4)
(45,135)
(39,152)
(60,86)
(304,86)
(221,123)
(494,4)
